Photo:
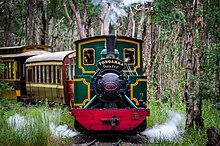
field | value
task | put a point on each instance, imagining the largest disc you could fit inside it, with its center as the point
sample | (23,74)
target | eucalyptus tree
(13,26)
(210,51)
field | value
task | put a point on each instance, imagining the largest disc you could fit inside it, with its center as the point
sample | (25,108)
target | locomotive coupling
(114,121)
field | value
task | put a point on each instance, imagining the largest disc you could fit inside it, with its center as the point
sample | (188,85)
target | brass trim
(130,49)
(44,63)
(44,85)
(86,49)
(131,88)
(88,90)
(18,92)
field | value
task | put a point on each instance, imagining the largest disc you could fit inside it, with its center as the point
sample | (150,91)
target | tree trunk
(198,102)
(8,24)
(158,86)
(147,43)
(30,22)
(131,24)
(70,23)
(189,16)
(106,20)
(86,20)
(172,83)
(37,25)
(81,29)
(140,26)
(147,47)
(44,20)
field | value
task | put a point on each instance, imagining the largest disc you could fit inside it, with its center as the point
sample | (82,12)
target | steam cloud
(22,126)
(62,131)
(169,131)
(118,8)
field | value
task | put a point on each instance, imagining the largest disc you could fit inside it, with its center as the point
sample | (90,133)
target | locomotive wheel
(79,127)
(141,127)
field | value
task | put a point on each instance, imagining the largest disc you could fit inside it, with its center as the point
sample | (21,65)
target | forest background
(180,40)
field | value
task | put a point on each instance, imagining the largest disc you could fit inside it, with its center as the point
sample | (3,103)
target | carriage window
(8,70)
(89,56)
(57,77)
(129,56)
(67,72)
(41,74)
(33,74)
(24,72)
(47,74)
(36,74)
(53,74)
(58,74)
(11,71)
(5,71)
(49,77)
(30,74)
(18,72)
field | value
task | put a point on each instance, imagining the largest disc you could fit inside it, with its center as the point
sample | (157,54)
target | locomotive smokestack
(110,44)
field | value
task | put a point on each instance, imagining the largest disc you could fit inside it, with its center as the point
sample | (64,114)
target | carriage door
(69,86)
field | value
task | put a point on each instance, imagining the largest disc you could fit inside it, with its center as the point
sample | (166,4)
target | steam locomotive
(109,86)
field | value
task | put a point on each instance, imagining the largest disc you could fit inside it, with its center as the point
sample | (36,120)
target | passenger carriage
(50,76)
(13,59)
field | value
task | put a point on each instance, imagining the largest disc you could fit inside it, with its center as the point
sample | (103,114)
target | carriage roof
(55,56)
(23,51)
(24,46)
(23,54)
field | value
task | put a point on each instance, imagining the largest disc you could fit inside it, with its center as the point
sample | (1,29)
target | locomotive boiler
(109,86)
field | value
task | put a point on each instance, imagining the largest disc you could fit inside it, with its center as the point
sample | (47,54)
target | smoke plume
(118,8)
(169,131)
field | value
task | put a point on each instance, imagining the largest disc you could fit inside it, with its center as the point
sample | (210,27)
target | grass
(192,137)
(37,132)
(40,133)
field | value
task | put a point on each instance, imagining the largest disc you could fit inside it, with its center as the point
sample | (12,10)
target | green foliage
(55,9)
(212,19)
(211,71)
(166,11)
(1,67)
(4,87)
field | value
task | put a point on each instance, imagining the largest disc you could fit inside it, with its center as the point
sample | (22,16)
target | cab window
(129,56)
(89,56)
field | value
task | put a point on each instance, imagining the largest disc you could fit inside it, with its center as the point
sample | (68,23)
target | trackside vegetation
(40,116)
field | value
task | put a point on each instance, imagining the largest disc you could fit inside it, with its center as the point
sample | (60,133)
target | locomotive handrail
(90,102)
(129,70)
(128,100)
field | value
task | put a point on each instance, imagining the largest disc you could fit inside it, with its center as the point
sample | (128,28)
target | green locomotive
(110,90)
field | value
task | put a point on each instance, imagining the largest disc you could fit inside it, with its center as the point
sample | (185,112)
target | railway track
(90,140)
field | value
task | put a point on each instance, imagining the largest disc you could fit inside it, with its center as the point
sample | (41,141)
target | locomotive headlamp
(110,55)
